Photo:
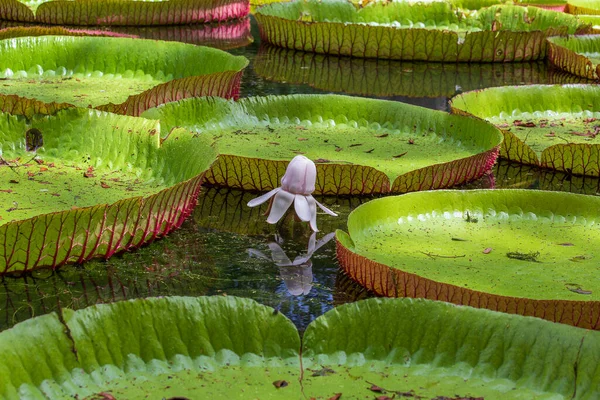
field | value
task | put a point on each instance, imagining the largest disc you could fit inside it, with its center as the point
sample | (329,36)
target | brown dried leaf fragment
(280,384)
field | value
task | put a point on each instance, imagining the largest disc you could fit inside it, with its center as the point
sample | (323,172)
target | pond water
(226,248)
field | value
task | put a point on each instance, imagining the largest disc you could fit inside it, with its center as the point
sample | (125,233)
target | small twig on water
(434,256)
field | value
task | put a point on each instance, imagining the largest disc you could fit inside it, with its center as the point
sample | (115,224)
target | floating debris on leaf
(280,384)
(471,219)
(524,256)
(580,258)
(324,371)
(576,288)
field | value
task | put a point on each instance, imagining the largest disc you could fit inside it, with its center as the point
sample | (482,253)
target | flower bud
(300,176)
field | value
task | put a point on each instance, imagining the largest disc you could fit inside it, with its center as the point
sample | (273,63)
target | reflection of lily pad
(398,30)
(506,250)
(122,12)
(578,55)
(225,35)
(370,77)
(512,175)
(360,146)
(97,183)
(120,75)
(227,347)
(175,265)
(551,126)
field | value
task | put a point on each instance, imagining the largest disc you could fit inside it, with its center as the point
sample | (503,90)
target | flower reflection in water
(297,275)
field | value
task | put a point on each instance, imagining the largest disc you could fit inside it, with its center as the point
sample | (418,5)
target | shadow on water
(227,248)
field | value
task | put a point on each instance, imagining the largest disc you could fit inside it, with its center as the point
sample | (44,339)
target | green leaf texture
(523,252)
(551,126)
(123,12)
(400,31)
(226,347)
(199,346)
(120,75)
(578,55)
(360,146)
(99,183)
(583,7)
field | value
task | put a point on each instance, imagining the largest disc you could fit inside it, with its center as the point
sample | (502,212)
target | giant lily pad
(398,30)
(226,347)
(85,183)
(120,75)
(587,7)
(361,146)
(122,12)
(551,126)
(370,77)
(525,252)
(578,55)
(554,5)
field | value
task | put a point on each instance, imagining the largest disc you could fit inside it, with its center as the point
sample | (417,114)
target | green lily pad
(578,55)
(367,77)
(524,252)
(84,183)
(401,31)
(120,75)
(553,5)
(122,12)
(594,20)
(551,126)
(586,7)
(227,347)
(360,146)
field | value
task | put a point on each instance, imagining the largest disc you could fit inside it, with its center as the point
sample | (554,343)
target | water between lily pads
(226,248)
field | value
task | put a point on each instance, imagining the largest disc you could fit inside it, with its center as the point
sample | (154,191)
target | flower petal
(324,240)
(261,199)
(313,212)
(327,210)
(278,255)
(312,242)
(282,201)
(301,207)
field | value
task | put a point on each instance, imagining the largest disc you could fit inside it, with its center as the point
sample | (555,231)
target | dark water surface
(226,248)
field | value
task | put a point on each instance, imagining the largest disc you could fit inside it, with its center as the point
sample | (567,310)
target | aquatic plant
(82,183)
(577,55)
(360,146)
(297,186)
(93,71)
(227,347)
(516,251)
(421,32)
(547,125)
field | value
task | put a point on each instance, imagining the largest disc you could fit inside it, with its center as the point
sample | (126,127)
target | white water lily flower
(297,186)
